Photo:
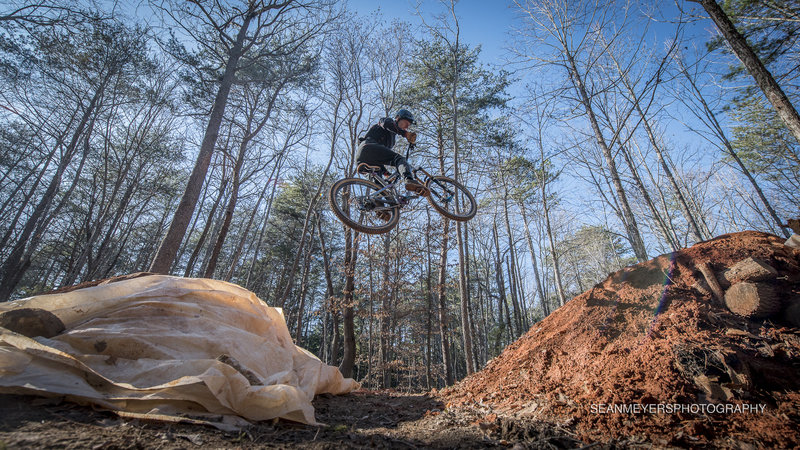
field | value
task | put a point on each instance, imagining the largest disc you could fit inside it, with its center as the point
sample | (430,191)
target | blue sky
(484,23)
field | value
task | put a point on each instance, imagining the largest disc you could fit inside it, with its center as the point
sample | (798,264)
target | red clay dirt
(645,336)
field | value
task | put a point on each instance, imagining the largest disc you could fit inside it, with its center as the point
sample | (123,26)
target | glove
(411,137)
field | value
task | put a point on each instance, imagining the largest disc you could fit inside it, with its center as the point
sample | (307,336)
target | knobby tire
(438,198)
(365,221)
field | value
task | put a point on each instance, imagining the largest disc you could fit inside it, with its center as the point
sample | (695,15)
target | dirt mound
(648,356)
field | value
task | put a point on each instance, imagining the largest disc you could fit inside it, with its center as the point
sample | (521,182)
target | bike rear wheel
(451,199)
(358,205)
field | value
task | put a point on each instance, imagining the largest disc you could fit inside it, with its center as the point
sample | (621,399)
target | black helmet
(404,114)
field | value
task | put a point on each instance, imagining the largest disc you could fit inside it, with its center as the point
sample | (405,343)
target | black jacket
(384,132)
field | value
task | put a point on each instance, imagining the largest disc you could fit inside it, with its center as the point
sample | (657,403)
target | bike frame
(389,189)
(390,185)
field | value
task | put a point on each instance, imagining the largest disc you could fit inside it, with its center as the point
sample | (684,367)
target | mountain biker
(375,148)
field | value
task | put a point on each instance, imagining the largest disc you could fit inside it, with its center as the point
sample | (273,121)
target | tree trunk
(26,199)
(371,312)
(168,249)
(93,269)
(754,300)
(245,234)
(429,297)
(351,253)
(441,291)
(660,221)
(501,289)
(237,252)
(335,342)
(227,216)
(385,313)
(208,226)
(537,278)
(515,288)
(556,268)
(750,269)
(687,213)
(249,134)
(753,64)
(304,289)
(265,221)
(14,267)
(311,204)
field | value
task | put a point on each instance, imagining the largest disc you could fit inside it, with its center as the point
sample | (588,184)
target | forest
(200,138)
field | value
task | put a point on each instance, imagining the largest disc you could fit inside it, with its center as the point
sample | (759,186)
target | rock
(32,322)
(713,389)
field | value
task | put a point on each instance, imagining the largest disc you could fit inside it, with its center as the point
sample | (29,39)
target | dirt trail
(362,419)
(644,336)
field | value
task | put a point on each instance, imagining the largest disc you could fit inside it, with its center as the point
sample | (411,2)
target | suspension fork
(430,177)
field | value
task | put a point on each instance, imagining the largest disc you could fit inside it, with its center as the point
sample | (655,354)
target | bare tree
(257,102)
(568,28)
(347,104)
(703,112)
(233,37)
(648,95)
(64,61)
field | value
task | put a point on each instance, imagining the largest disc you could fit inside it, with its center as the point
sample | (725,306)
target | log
(702,287)
(753,300)
(793,241)
(792,313)
(794,224)
(750,269)
(708,274)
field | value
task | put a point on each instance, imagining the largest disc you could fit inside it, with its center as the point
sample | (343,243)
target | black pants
(379,155)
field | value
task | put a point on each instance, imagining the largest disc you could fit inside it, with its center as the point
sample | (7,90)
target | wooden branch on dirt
(708,274)
(754,300)
(750,269)
(701,286)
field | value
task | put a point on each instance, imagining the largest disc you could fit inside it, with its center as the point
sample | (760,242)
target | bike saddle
(366,169)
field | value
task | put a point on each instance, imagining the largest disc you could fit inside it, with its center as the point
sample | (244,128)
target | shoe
(415,186)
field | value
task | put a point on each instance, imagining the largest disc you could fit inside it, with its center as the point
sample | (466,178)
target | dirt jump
(698,348)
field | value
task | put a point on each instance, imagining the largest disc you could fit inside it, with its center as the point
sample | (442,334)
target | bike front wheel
(451,199)
(358,205)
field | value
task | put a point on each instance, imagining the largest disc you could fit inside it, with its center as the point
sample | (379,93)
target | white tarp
(169,347)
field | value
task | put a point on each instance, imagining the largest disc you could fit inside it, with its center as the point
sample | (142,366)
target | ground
(649,335)
(362,419)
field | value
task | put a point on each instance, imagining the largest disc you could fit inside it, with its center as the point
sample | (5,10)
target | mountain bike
(373,205)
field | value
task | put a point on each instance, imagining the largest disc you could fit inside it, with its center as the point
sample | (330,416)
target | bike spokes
(451,199)
(363,206)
